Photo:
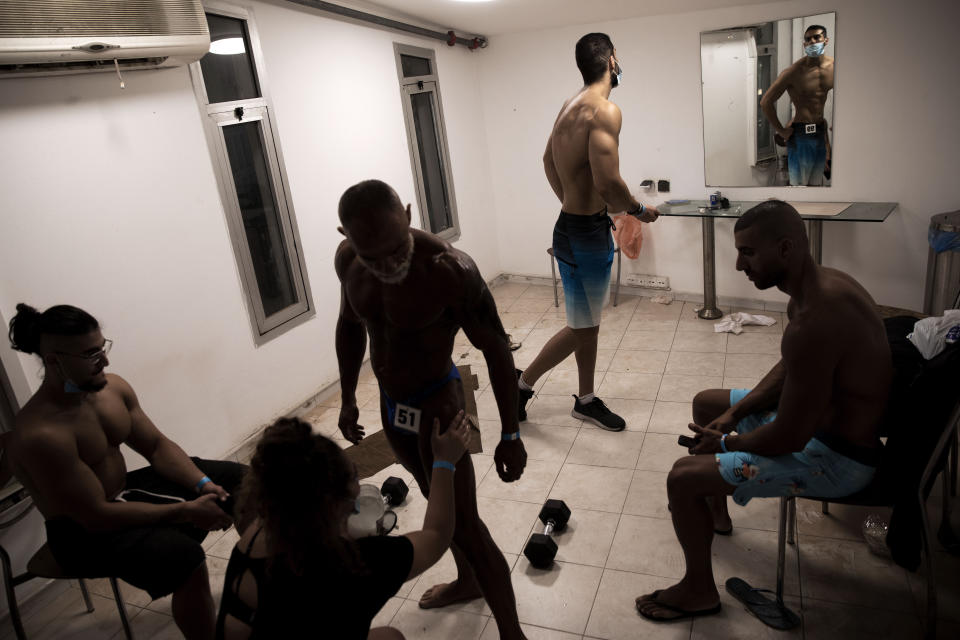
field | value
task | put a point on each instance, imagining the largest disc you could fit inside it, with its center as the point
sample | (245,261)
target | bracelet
(443,464)
(204,480)
(638,211)
(723,445)
(510,436)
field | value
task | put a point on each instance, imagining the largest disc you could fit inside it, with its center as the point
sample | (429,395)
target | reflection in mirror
(768,103)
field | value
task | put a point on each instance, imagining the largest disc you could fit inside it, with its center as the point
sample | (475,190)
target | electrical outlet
(648,281)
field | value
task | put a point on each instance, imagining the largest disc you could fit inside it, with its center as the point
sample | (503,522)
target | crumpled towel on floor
(734,322)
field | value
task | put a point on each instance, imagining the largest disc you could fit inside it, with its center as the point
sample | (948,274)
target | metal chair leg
(616,292)
(553,272)
(791,520)
(781,546)
(121,608)
(11,595)
(931,629)
(86,595)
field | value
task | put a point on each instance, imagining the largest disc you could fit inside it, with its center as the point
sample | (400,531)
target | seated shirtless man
(145,526)
(809,427)
(411,292)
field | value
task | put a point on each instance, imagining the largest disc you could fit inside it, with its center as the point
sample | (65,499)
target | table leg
(815,236)
(709,310)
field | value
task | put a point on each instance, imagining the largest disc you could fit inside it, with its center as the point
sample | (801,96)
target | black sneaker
(524,397)
(596,412)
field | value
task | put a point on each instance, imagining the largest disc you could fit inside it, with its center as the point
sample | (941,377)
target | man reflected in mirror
(807,81)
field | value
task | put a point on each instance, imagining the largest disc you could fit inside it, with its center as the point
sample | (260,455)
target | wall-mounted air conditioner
(55,37)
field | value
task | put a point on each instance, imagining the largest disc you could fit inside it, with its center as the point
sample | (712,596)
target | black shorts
(157,559)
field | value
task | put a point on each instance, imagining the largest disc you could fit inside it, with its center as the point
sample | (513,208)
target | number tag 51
(407,418)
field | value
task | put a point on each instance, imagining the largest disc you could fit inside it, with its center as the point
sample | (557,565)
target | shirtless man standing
(807,81)
(809,427)
(145,526)
(582,163)
(411,292)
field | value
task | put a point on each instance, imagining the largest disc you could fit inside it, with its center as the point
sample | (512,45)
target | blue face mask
(617,74)
(814,50)
(70,387)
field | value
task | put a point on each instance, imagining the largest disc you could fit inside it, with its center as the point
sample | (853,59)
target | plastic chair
(553,272)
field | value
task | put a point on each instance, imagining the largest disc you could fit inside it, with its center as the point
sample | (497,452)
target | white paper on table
(734,322)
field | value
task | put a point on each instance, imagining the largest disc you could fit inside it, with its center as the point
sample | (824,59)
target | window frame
(218,115)
(418,84)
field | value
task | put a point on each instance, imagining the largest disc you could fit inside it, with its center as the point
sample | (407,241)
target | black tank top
(325,601)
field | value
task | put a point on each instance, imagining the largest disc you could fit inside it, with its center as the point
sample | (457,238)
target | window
(426,133)
(230,86)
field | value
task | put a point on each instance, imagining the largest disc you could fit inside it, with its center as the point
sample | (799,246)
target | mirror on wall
(768,103)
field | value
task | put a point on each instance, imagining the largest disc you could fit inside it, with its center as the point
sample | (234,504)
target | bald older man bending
(411,292)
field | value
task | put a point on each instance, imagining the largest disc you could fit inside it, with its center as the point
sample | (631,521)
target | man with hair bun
(144,526)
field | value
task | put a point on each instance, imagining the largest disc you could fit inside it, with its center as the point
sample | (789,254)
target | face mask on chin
(391,269)
(814,50)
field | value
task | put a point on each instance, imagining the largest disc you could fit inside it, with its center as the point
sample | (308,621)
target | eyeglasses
(93,356)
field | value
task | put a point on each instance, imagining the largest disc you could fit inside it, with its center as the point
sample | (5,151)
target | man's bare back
(586,114)
(90,432)
(840,323)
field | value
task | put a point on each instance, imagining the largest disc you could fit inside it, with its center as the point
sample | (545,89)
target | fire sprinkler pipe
(449,37)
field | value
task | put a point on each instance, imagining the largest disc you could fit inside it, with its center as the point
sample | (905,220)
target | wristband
(204,480)
(723,445)
(638,211)
(443,464)
(510,436)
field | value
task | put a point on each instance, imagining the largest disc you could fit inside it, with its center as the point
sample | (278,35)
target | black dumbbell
(394,491)
(541,549)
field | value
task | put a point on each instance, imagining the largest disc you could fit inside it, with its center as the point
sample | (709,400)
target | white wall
(887,147)
(110,203)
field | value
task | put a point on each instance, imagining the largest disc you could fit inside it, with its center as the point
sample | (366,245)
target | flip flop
(683,614)
(768,610)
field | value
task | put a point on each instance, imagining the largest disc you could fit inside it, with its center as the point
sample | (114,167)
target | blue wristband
(204,480)
(510,436)
(723,445)
(443,464)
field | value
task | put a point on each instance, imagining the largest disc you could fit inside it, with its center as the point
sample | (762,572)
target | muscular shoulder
(608,116)
(41,440)
(343,258)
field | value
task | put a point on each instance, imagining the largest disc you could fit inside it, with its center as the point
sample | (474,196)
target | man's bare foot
(678,602)
(440,595)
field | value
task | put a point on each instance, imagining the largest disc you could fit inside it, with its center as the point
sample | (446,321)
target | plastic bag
(931,335)
(942,241)
(628,232)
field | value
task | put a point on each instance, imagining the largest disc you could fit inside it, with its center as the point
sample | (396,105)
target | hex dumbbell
(541,548)
(394,491)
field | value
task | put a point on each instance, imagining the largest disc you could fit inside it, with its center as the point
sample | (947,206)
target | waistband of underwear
(584,216)
(870,456)
(429,390)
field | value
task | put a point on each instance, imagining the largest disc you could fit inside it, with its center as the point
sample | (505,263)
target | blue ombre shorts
(807,154)
(819,470)
(583,247)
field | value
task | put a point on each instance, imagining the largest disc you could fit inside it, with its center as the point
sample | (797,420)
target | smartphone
(686,441)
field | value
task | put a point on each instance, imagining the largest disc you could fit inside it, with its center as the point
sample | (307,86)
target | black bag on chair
(922,396)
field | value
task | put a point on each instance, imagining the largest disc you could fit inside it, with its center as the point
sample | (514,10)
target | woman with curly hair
(295,572)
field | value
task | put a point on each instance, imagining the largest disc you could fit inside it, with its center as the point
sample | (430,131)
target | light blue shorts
(817,471)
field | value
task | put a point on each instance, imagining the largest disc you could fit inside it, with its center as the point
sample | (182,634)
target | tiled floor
(620,542)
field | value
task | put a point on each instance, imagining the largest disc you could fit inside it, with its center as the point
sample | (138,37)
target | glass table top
(856,211)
